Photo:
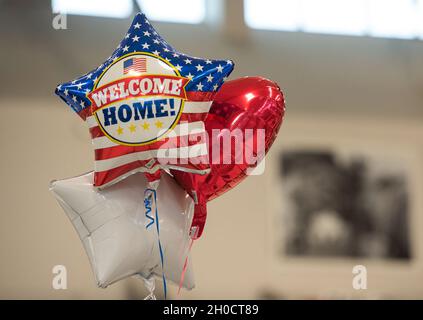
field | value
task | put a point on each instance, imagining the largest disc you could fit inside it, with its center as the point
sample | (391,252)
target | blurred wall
(328,77)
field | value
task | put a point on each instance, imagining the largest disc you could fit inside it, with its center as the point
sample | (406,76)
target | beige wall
(343,79)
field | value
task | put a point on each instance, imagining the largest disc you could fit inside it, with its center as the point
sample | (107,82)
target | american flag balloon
(145,106)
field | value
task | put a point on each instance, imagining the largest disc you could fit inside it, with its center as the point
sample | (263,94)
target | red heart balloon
(245,103)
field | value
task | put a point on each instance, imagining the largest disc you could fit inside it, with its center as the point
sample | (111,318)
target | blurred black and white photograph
(343,205)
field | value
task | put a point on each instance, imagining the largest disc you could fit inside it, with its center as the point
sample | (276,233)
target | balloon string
(148,202)
(184,269)
(147,205)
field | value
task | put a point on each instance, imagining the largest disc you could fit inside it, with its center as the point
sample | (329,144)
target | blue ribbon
(147,205)
(148,194)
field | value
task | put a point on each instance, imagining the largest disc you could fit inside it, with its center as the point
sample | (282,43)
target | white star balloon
(118,227)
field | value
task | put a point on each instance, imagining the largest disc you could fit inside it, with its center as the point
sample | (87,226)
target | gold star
(119,130)
(145,126)
(159,124)
(132,128)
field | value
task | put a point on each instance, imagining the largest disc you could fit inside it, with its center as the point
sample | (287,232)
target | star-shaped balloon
(145,106)
(118,229)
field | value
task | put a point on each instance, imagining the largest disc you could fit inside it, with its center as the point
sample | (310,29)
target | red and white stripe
(138,65)
(114,161)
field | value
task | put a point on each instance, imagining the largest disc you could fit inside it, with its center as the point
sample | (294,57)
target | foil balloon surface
(145,106)
(129,229)
(251,108)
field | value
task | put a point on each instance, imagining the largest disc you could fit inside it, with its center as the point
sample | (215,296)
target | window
(378,18)
(101,8)
(182,11)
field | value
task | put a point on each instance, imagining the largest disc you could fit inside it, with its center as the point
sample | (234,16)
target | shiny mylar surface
(120,237)
(245,103)
(145,73)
